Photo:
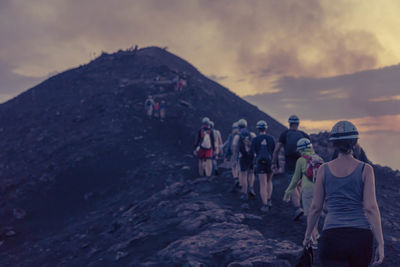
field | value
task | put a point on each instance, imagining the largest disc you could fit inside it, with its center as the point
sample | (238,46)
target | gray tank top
(344,200)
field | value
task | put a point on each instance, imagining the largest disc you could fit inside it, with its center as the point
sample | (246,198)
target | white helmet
(294,119)
(235,126)
(242,123)
(343,130)
(261,125)
(206,120)
(303,143)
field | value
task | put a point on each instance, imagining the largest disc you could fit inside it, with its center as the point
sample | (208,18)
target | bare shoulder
(368,167)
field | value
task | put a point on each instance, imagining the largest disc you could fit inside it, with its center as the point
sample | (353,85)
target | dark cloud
(346,96)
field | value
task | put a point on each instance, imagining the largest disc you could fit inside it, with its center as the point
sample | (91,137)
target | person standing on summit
(204,147)
(288,140)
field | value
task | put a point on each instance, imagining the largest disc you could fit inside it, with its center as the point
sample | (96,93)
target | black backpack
(244,142)
(291,143)
(264,156)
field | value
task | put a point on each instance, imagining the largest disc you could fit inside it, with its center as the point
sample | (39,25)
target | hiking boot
(237,184)
(251,192)
(269,203)
(299,212)
(265,208)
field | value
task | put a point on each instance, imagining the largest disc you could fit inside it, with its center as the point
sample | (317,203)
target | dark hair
(345,146)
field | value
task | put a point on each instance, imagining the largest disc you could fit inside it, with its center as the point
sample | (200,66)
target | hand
(306,241)
(195,153)
(286,198)
(379,255)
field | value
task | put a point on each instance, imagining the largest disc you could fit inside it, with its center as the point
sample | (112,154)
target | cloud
(217,78)
(385,98)
(12,83)
(365,125)
(257,41)
(345,96)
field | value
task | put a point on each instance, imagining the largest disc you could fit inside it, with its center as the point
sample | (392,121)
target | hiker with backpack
(205,147)
(288,140)
(241,147)
(305,172)
(149,106)
(218,147)
(347,185)
(262,147)
(228,154)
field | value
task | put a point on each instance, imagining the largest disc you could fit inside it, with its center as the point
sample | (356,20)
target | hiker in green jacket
(306,170)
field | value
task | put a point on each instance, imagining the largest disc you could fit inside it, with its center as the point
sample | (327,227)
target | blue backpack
(264,156)
(244,143)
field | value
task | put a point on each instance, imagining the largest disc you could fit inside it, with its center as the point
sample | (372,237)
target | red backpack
(313,163)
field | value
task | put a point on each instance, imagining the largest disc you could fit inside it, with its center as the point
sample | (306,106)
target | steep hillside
(80,141)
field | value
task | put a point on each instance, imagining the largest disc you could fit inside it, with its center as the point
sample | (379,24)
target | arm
(298,173)
(372,210)
(234,145)
(317,203)
(253,149)
(276,152)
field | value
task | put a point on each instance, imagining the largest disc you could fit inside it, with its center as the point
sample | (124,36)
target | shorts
(306,198)
(263,167)
(245,164)
(346,247)
(205,153)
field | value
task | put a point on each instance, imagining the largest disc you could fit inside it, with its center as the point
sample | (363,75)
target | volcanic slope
(79,142)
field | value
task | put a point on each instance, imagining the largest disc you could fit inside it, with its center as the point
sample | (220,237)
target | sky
(263,47)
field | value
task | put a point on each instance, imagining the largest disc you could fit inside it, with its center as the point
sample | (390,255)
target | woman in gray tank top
(348,187)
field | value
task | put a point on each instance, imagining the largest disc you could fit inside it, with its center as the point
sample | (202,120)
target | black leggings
(346,247)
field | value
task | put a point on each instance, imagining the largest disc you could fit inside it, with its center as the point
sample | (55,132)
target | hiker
(205,147)
(306,169)
(288,140)
(358,153)
(241,146)
(162,110)
(149,106)
(263,147)
(218,147)
(229,154)
(348,187)
(156,112)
